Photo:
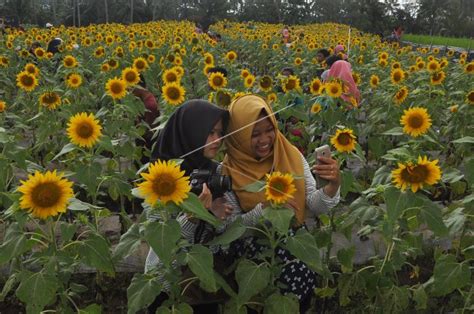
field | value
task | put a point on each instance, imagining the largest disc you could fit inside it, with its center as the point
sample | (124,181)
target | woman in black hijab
(192,133)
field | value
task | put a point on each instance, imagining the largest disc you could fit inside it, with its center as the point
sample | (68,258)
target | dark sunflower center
(397,76)
(344,139)
(470,96)
(334,89)
(415,174)
(217,80)
(49,98)
(165,185)
(291,84)
(85,130)
(415,121)
(171,77)
(116,88)
(278,187)
(265,82)
(27,80)
(68,62)
(130,76)
(316,86)
(173,93)
(46,194)
(140,65)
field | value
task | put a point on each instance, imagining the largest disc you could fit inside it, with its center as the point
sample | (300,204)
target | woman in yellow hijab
(255,147)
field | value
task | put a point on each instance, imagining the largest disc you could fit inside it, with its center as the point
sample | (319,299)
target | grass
(440,40)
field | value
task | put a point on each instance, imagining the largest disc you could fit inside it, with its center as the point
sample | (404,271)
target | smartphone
(322,151)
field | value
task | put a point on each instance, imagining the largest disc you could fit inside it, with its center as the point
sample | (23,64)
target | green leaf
(68,230)
(431,214)
(303,246)
(232,233)
(455,221)
(15,243)
(37,290)
(162,237)
(469,175)
(345,257)
(465,139)
(450,275)
(420,297)
(396,203)
(452,175)
(87,175)
(280,218)
(129,242)
(347,180)
(396,131)
(193,205)
(251,278)
(255,187)
(66,149)
(281,304)
(91,309)
(142,292)
(326,292)
(96,252)
(8,285)
(201,263)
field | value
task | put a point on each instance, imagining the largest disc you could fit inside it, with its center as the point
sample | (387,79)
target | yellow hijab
(244,169)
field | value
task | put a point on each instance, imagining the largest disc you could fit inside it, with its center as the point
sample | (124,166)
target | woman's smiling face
(263,137)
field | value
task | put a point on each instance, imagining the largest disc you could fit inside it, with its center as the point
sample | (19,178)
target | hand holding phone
(322,151)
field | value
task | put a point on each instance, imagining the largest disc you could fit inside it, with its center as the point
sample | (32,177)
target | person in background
(342,71)
(322,55)
(339,50)
(285,34)
(53,45)
(329,62)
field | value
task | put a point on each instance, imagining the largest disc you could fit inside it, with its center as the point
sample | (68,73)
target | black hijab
(186,130)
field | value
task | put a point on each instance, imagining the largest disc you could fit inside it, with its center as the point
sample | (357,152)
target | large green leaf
(162,237)
(303,246)
(193,205)
(431,214)
(181,308)
(129,242)
(420,297)
(88,174)
(449,275)
(345,256)
(96,252)
(142,292)
(91,309)
(37,290)
(281,304)
(280,218)
(396,203)
(201,263)
(465,139)
(15,243)
(251,278)
(232,233)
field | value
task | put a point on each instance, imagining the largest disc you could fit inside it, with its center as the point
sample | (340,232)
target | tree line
(435,17)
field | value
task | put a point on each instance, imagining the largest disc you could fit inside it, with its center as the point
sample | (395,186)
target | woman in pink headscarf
(340,49)
(342,70)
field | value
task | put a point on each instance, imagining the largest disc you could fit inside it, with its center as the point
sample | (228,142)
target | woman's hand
(220,208)
(205,197)
(328,169)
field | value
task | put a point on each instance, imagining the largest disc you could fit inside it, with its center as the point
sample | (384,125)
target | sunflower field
(72,155)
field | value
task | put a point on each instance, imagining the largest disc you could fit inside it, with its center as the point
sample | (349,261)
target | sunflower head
(415,121)
(244,73)
(170,76)
(173,93)
(217,80)
(437,78)
(397,76)
(433,66)
(298,61)
(344,140)
(26,81)
(470,97)
(469,68)
(223,98)
(74,80)
(316,108)
(32,69)
(356,77)
(415,174)
(333,89)
(401,95)
(140,64)
(69,61)
(130,76)
(84,130)
(50,100)
(164,182)
(374,81)
(271,98)
(249,81)
(292,82)
(316,86)
(279,187)
(3,106)
(231,55)
(45,194)
(116,88)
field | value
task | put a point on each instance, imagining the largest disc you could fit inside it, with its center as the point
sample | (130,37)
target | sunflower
(74,80)
(383,62)
(469,68)
(420,65)
(344,140)
(333,89)
(217,80)
(130,76)
(396,65)
(292,82)
(32,69)
(179,70)
(265,83)
(401,95)
(84,130)
(315,87)
(356,78)
(170,76)
(316,108)
(164,182)
(140,64)
(415,121)
(272,97)
(223,98)
(397,75)
(208,58)
(249,81)
(453,108)
(45,195)
(244,73)
(99,52)
(415,175)
(69,61)
(383,55)
(279,187)
(116,88)
(151,58)
(374,81)
(26,81)
(298,61)
(3,106)
(437,78)
(4,61)
(231,56)
(113,63)
(40,53)
(173,93)
(433,66)
(50,100)
(470,97)
(105,67)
